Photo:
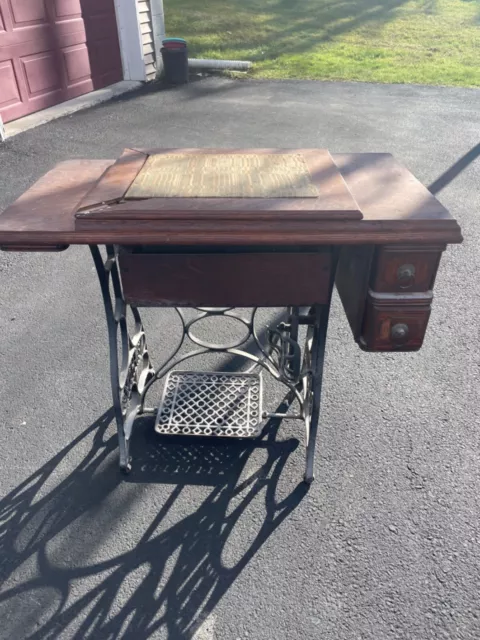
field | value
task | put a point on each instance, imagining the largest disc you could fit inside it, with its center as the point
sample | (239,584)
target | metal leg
(314,387)
(129,377)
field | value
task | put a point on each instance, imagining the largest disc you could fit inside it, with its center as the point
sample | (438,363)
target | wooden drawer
(395,323)
(407,269)
(240,279)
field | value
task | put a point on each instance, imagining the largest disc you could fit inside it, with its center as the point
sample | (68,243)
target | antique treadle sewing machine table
(218,231)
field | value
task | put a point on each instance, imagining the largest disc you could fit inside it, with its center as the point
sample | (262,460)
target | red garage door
(54,50)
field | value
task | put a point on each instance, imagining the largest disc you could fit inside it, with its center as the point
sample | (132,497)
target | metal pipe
(233,65)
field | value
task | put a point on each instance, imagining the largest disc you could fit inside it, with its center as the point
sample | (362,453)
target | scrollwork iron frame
(132,377)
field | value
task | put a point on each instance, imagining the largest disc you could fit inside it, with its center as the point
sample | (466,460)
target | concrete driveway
(223,542)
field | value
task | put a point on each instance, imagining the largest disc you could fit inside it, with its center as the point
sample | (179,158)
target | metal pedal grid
(211,404)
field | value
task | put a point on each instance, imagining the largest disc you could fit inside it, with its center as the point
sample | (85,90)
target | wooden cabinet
(386,292)
(388,230)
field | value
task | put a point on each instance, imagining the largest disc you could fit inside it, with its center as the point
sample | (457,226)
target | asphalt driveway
(222,542)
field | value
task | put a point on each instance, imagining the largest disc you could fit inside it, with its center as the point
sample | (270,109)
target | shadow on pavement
(183,573)
(455,170)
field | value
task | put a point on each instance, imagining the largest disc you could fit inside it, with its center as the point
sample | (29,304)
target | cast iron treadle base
(211,404)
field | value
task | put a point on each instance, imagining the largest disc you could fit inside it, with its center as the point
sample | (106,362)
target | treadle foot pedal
(211,404)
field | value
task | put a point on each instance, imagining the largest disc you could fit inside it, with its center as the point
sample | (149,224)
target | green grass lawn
(412,41)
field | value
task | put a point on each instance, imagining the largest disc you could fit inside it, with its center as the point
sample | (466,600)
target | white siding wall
(130,40)
(141,30)
(150,14)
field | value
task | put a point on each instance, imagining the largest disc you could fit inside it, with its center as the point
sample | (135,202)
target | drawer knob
(399,332)
(406,275)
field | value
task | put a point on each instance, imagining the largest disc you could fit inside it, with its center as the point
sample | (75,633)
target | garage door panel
(8,81)
(42,73)
(77,64)
(69,33)
(5,19)
(52,98)
(11,47)
(26,13)
(100,27)
(54,50)
(103,51)
(79,88)
(94,7)
(42,101)
(67,9)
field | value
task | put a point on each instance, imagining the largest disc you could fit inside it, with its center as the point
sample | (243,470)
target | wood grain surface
(226,279)
(113,184)
(44,215)
(419,263)
(385,311)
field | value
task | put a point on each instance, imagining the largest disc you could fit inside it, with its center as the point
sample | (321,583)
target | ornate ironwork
(298,367)
(131,372)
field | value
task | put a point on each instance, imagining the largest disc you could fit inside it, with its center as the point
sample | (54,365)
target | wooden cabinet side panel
(352,280)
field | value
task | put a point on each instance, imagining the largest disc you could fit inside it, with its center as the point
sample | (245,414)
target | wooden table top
(395,206)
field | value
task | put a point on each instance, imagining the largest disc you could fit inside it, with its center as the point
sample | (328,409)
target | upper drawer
(405,269)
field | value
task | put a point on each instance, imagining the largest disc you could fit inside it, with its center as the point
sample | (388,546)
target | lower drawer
(395,323)
(267,279)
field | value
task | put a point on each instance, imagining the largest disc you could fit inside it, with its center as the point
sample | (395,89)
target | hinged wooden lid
(166,186)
